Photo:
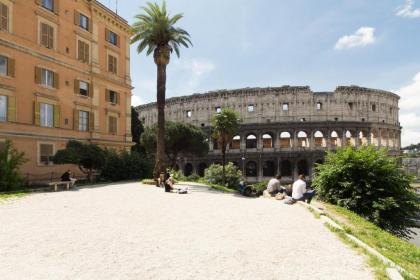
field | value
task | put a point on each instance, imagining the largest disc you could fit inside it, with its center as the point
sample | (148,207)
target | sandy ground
(133,231)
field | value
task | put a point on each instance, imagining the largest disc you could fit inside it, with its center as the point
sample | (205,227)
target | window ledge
(47,87)
(5,77)
(83,96)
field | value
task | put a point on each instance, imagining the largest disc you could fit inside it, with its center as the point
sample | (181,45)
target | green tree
(225,125)
(10,161)
(180,139)
(214,175)
(155,31)
(370,183)
(88,157)
(137,129)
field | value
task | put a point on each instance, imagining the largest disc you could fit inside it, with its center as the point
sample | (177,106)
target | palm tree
(225,125)
(154,30)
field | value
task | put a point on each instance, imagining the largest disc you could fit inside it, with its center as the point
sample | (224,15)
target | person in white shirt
(299,191)
(273,187)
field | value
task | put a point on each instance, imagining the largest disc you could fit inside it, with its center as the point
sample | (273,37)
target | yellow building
(64,75)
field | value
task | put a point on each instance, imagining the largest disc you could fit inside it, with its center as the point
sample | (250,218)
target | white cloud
(196,70)
(407,10)
(410,111)
(362,37)
(136,100)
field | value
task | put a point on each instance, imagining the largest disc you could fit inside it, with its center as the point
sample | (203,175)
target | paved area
(134,231)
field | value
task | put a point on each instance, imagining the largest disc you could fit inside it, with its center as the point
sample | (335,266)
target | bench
(61,183)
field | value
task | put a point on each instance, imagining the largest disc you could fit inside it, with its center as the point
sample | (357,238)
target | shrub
(126,166)
(260,187)
(10,161)
(193,178)
(214,175)
(368,182)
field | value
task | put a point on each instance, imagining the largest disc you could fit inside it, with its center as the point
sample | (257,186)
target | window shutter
(38,75)
(4,17)
(57,116)
(91,121)
(37,113)
(76,86)
(56,80)
(50,37)
(107,35)
(107,96)
(90,90)
(79,50)
(44,35)
(118,98)
(87,53)
(55,6)
(118,40)
(90,25)
(11,109)
(10,67)
(76,17)
(75,119)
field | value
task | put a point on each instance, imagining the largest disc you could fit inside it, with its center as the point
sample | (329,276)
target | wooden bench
(61,183)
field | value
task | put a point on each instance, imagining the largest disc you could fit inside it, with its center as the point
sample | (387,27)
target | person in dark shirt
(66,176)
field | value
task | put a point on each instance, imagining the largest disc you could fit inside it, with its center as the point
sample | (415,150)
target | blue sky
(323,43)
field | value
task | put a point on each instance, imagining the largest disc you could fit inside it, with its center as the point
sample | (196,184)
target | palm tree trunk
(160,151)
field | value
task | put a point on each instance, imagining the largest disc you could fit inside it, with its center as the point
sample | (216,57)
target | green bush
(10,161)
(192,178)
(214,175)
(260,187)
(368,182)
(126,166)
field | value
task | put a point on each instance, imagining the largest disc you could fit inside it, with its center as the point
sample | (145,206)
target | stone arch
(363,138)
(285,139)
(286,168)
(303,140)
(251,169)
(319,139)
(384,137)
(202,168)
(335,139)
(374,137)
(303,167)
(188,169)
(269,168)
(391,139)
(251,141)
(236,142)
(350,138)
(267,139)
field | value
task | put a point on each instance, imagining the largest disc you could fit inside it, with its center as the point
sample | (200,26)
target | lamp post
(243,167)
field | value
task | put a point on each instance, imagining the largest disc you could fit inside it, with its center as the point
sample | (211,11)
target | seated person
(299,191)
(273,186)
(66,177)
(168,182)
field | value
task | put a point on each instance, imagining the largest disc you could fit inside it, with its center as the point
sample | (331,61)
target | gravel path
(133,231)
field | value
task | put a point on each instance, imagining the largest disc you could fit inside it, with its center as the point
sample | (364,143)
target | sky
(261,43)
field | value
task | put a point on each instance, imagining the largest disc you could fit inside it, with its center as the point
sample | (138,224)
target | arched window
(286,168)
(285,140)
(363,140)
(303,167)
(374,138)
(267,141)
(319,140)
(236,142)
(251,141)
(251,169)
(269,168)
(335,140)
(188,169)
(202,168)
(302,139)
(350,141)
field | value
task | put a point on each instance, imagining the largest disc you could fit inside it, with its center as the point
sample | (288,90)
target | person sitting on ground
(168,182)
(273,187)
(299,191)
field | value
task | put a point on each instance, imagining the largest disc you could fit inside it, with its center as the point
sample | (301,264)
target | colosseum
(286,130)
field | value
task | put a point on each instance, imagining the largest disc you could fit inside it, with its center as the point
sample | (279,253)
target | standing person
(273,186)
(299,191)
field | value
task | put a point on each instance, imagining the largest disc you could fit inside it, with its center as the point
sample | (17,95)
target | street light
(243,167)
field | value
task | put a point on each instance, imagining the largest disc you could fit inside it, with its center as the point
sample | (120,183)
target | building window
(46,153)
(3,65)
(84,22)
(83,121)
(285,106)
(112,125)
(112,96)
(83,88)
(189,114)
(4,17)
(374,107)
(351,105)
(47,36)
(47,77)
(319,106)
(48,4)
(3,108)
(83,51)
(47,115)
(112,64)
(218,110)
(251,108)
(112,37)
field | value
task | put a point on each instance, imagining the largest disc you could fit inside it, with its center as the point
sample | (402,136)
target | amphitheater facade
(286,130)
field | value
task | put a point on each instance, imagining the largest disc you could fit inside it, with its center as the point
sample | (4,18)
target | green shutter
(57,116)
(11,109)
(91,121)
(37,113)
(75,119)
(10,67)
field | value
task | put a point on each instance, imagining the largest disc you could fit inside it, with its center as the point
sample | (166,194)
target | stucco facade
(66,76)
(287,129)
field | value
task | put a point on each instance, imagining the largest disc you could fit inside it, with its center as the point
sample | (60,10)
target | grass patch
(401,252)
(5,196)
(221,188)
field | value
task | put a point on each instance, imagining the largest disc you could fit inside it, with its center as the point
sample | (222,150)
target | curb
(393,272)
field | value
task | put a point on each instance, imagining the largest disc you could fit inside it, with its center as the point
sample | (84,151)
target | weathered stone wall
(287,129)
(412,166)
